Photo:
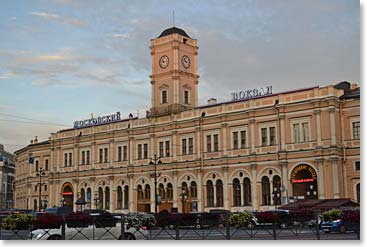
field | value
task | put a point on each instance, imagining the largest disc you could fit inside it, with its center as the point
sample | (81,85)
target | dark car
(65,210)
(281,218)
(101,218)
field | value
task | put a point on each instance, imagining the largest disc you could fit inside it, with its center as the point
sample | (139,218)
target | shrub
(240,219)
(47,221)
(333,214)
(138,220)
(18,222)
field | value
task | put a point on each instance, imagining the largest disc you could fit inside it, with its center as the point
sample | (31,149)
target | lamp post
(41,173)
(276,196)
(62,202)
(44,203)
(183,197)
(311,193)
(154,174)
(96,199)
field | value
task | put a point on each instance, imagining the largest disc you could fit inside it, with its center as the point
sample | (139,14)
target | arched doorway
(304,182)
(68,194)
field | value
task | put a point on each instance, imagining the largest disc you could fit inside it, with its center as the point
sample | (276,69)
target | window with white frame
(142,151)
(239,139)
(164,148)
(356,130)
(268,136)
(300,131)
(212,143)
(187,145)
(164,98)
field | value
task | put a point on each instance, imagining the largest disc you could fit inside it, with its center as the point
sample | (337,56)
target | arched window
(140,193)
(119,197)
(89,197)
(184,187)
(247,191)
(276,190)
(100,198)
(358,192)
(35,208)
(161,192)
(209,194)
(219,188)
(193,190)
(265,190)
(147,192)
(107,198)
(82,194)
(236,192)
(169,191)
(126,197)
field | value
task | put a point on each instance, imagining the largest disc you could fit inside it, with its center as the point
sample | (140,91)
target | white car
(90,233)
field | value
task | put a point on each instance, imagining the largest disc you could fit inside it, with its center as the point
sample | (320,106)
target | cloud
(50,16)
(120,35)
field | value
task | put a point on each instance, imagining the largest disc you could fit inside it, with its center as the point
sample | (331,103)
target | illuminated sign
(295,176)
(67,193)
(251,93)
(97,121)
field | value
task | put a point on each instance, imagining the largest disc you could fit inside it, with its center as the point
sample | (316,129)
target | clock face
(163,62)
(185,60)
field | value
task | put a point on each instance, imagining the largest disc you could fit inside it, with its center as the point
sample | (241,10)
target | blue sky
(61,60)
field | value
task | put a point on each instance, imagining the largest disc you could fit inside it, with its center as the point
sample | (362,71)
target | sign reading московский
(246,94)
(98,120)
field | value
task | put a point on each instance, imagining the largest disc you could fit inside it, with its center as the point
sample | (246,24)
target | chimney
(31,141)
(212,101)
(35,140)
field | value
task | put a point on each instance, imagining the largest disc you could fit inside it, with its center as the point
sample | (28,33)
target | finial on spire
(173,18)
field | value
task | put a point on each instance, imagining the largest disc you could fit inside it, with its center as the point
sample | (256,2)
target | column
(58,159)
(198,142)
(152,199)
(200,191)
(152,150)
(131,192)
(318,127)
(224,134)
(252,132)
(332,126)
(131,150)
(225,189)
(174,145)
(335,175)
(93,155)
(284,167)
(254,198)
(175,186)
(320,178)
(112,194)
(112,151)
(282,131)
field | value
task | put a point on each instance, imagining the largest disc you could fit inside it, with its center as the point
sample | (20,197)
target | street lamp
(96,200)
(154,174)
(41,173)
(62,202)
(311,193)
(44,203)
(183,197)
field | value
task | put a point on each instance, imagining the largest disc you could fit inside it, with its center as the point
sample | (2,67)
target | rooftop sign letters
(252,93)
(97,121)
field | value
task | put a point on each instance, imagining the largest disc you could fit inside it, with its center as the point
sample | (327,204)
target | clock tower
(174,76)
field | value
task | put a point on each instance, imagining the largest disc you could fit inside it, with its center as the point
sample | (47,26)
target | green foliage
(137,219)
(240,219)
(333,214)
(18,222)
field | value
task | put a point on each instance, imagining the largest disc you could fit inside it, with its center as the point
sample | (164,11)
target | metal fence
(107,230)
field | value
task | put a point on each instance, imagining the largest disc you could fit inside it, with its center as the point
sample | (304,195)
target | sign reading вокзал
(97,121)
(256,92)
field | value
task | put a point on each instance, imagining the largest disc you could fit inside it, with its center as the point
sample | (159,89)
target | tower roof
(173,30)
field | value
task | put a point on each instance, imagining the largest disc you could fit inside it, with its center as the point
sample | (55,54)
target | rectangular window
(243,139)
(83,158)
(356,130)
(37,165)
(139,152)
(70,158)
(186,97)
(46,164)
(183,146)
(191,145)
(296,135)
(167,149)
(209,143)
(305,132)
(125,153)
(164,97)
(264,137)
(88,157)
(100,155)
(145,151)
(235,140)
(216,143)
(119,153)
(357,166)
(65,159)
(45,187)
(272,136)
(161,150)
(105,155)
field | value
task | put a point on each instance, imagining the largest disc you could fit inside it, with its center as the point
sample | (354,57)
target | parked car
(102,218)
(90,232)
(338,226)
(65,210)
(281,218)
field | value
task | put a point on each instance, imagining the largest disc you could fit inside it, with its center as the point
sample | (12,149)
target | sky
(61,60)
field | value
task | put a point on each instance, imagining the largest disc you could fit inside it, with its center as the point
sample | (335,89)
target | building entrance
(304,182)
(67,194)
